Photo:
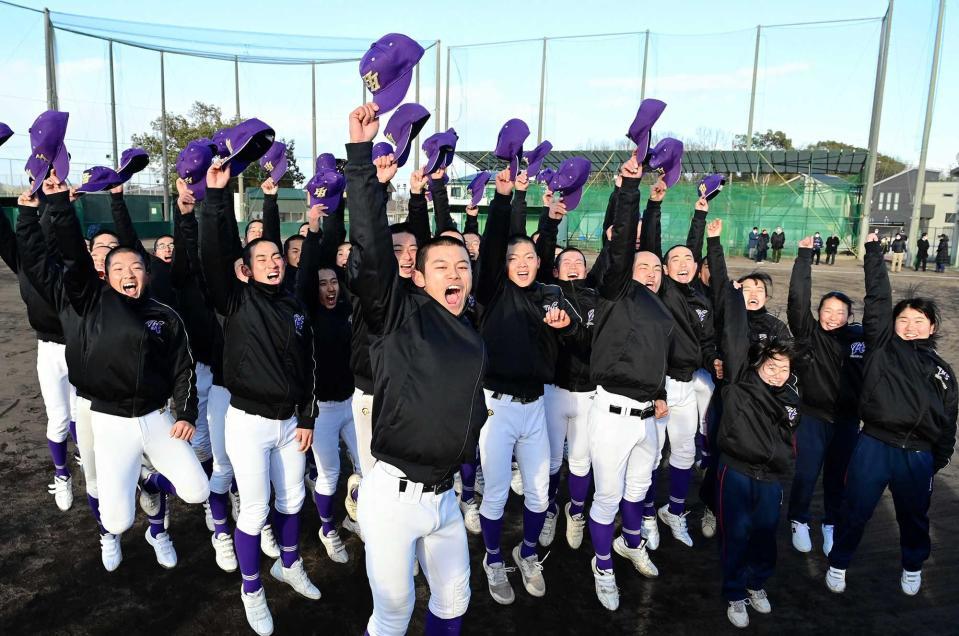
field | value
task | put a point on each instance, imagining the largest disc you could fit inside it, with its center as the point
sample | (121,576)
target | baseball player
(759,418)
(519,323)
(268,368)
(831,377)
(631,340)
(408,509)
(908,408)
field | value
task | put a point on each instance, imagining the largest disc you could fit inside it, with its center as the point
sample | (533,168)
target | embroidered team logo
(389,138)
(943,376)
(763,336)
(589,317)
(298,320)
(319,193)
(857,350)
(268,166)
(156,326)
(791,413)
(702,313)
(372,81)
(555,305)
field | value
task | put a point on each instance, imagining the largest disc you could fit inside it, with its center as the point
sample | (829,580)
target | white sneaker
(352,526)
(759,601)
(910,582)
(310,483)
(235,506)
(209,516)
(801,540)
(677,525)
(531,569)
(225,555)
(827,538)
(606,590)
(548,533)
(78,459)
(110,552)
(334,547)
(163,546)
(457,484)
(257,612)
(349,502)
(498,582)
(516,481)
(638,556)
(574,528)
(62,491)
(650,532)
(709,524)
(149,504)
(471,517)
(836,580)
(737,615)
(295,576)
(268,543)
(479,484)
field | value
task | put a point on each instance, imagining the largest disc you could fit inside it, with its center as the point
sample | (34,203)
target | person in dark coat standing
(778,242)
(942,254)
(753,243)
(832,246)
(922,252)
(816,246)
(762,246)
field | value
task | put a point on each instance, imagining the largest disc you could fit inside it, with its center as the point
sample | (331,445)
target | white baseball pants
(567,413)
(680,424)
(218,402)
(85,445)
(58,394)
(363,427)
(333,423)
(704,386)
(201,438)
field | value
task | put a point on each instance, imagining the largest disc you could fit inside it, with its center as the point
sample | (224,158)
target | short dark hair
(762,277)
(566,250)
(248,250)
(246,230)
(302,224)
(926,306)
(763,350)
(838,295)
(344,243)
(121,250)
(516,239)
(458,233)
(439,241)
(157,240)
(401,228)
(99,233)
(288,241)
(666,253)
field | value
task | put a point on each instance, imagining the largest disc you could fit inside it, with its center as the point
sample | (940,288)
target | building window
(895,201)
(951,217)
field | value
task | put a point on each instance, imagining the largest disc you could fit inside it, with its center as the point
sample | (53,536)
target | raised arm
(735,336)
(877,321)
(650,235)
(799,305)
(418,215)
(718,278)
(472,221)
(332,236)
(32,249)
(123,225)
(271,213)
(697,229)
(183,373)
(217,259)
(494,243)
(620,252)
(611,209)
(81,283)
(307,285)
(517,218)
(441,204)
(548,230)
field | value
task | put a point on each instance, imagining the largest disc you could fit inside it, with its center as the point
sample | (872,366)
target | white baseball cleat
(531,569)
(737,614)
(257,612)
(650,532)
(310,483)
(62,491)
(836,580)
(498,582)
(457,484)
(759,601)
(471,517)
(516,481)
(606,590)
(163,546)
(709,524)
(638,556)
(334,546)
(149,503)
(910,582)
(225,555)
(295,576)
(677,525)
(234,505)
(548,533)
(574,528)
(110,552)
(827,538)
(209,516)
(479,484)
(801,540)
(352,483)
(268,542)
(353,526)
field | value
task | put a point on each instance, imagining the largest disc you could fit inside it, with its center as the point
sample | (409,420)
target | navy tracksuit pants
(825,446)
(710,453)
(748,514)
(875,465)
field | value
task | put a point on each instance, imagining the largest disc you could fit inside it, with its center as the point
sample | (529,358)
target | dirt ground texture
(52,581)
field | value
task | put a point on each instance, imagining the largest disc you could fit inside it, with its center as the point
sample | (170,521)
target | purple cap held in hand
(132,161)
(439,149)
(387,69)
(325,161)
(192,164)
(667,158)
(570,179)
(326,188)
(274,161)
(98,179)
(246,142)
(711,185)
(477,187)
(37,170)
(47,147)
(5,133)
(545,176)
(381,149)
(639,131)
(535,157)
(403,127)
(509,144)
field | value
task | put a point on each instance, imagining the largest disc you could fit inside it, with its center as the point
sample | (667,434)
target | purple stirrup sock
(553,490)
(468,478)
(324,507)
(156,521)
(156,483)
(532,527)
(248,555)
(678,486)
(632,513)
(207,465)
(73,431)
(219,509)
(649,508)
(436,626)
(233,487)
(94,504)
(491,533)
(578,489)
(601,535)
(286,528)
(58,451)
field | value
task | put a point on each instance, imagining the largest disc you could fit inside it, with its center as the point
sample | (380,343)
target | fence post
(446,118)
(313,113)
(236,83)
(163,137)
(438,73)
(752,92)
(113,111)
(542,94)
(50,50)
(642,86)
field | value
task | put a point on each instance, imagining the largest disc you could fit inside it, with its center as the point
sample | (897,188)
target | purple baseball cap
(381,150)
(387,69)
(711,185)
(509,144)
(667,158)
(247,142)
(477,187)
(192,164)
(47,147)
(325,161)
(545,176)
(639,131)
(570,179)
(535,157)
(5,133)
(403,127)
(99,178)
(439,149)
(274,161)
(132,161)
(37,170)
(326,188)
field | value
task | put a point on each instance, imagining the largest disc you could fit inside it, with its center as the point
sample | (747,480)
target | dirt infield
(52,581)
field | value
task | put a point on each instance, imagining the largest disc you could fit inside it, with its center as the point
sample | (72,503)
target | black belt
(437,488)
(514,398)
(649,411)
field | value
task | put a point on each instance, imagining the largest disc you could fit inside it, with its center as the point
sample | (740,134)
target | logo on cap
(389,138)
(229,145)
(41,157)
(372,81)
(319,193)
(702,189)
(86,177)
(188,180)
(268,166)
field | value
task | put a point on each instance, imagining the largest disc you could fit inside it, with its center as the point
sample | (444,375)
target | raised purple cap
(325,161)
(439,149)
(132,161)
(381,150)
(509,144)
(711,185)
(667,158)
(326,188)
(192,164)
(274,161)
(545,176)
(639,131)
(477,187)
(387,69)
(535,157)
(403,127)
(570,179)
(46,143)
(98,179)
(5,133)
(247,142)
(37,170)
